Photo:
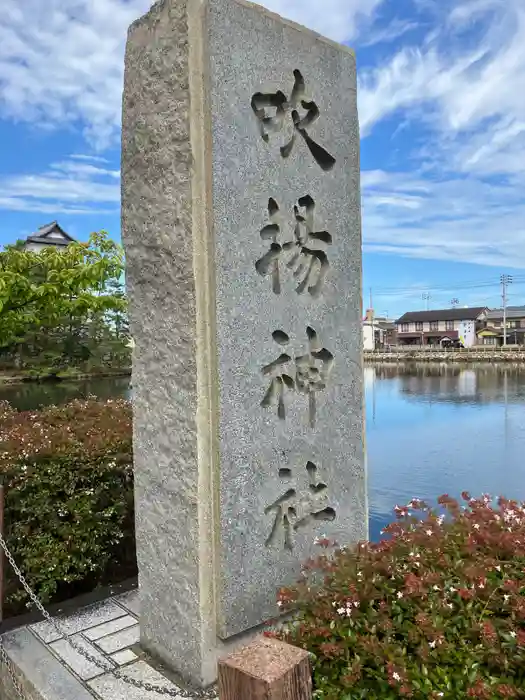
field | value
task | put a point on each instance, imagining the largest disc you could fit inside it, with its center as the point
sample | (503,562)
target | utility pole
(505,281)
(454,303)
(426,296)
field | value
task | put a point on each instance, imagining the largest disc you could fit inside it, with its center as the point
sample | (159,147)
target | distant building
(492,331)
(439,325)
(49,235)
(378,332)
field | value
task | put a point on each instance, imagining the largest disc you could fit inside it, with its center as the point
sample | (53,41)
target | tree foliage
(41,289)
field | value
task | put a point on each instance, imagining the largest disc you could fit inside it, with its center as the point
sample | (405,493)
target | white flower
(436,588)
(279,603)
(341,611)
(476,526)
(396,676)
(399,594)
(432,644)
(449,605)
(429,532)
(512,634)
(506,597)
(498,568)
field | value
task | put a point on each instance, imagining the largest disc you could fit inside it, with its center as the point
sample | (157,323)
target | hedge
(69,512)
(434,610)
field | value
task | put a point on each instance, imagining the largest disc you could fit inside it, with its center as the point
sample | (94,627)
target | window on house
(434,325)
(512,324)
(404,328)
(419,325)
(449,325)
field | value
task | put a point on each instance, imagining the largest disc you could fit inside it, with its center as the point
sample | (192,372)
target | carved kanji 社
(294,509)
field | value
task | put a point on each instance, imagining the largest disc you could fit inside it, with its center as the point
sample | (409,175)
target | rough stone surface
(54,670)
(110,627)
(125,656)
(130,601)
(43,677)
(83,668)
(108,687)
(210,461)
(119,640)
(82,620)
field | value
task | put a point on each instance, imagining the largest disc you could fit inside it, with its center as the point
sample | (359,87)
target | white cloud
(336,19)
(396,29)
(91,159)
(61,61)
(67,187)
(460,219)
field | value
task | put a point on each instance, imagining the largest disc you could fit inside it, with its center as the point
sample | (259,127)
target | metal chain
(179,693)
(4,658)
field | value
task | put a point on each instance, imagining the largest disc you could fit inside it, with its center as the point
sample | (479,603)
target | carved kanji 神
(294,509)
(304,374)
(274,109)
(299,254)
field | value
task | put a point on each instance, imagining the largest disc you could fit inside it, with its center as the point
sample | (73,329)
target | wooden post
(266,670)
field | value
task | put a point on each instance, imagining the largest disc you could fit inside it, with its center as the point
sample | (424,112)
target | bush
(68,476)
(436,610)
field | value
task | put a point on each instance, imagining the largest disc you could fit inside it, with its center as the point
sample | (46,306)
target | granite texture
(109,688)
(55,671)
(84,619)
(42,675)
(119,640)
(81,666)
(211,462)
(111,627)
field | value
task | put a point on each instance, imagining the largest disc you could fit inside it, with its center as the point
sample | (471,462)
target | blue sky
(442,113)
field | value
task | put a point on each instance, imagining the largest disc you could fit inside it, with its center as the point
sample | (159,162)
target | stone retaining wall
(444,356)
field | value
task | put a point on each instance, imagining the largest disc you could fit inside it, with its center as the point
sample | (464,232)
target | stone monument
(241,224)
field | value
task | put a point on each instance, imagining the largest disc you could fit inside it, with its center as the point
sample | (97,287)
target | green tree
(43,290)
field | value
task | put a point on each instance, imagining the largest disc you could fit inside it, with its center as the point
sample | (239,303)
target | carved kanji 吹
(294,509)
(308,264)
(264,103)
(304,374)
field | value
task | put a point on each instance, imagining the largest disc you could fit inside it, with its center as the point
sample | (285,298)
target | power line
(474,284)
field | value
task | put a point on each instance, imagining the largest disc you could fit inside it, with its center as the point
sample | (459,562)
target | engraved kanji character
(309,263)
(261,102)
(269,263)
(312,371)
(294,510)
(280,379)
(306,374)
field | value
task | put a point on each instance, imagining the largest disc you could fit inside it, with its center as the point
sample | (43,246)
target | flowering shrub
(435,610)
(68,479)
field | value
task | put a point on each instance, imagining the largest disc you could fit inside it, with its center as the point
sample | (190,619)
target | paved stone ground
(109,631)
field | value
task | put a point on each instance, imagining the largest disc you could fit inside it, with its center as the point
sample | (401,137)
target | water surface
(431,429)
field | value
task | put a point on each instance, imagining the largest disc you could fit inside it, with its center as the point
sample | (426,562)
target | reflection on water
(431,429)
(31,395)
(434,429)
